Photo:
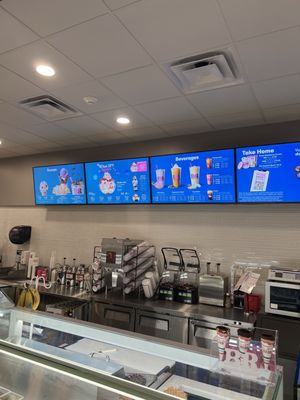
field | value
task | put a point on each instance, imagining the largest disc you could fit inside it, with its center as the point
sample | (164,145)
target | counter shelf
(102,358)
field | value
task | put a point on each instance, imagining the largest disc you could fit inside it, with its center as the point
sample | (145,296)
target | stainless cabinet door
(115,316)
(201,333)
(162,326)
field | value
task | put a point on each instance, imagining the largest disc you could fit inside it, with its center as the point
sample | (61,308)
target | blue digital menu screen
(203,177)
(59,184)
(118,181)
(268,173)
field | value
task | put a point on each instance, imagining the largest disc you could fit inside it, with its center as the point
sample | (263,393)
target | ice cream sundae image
(133,167)
(136,198)
(62,188)
(135,183)
(77,187)
(43,188)
(107,184)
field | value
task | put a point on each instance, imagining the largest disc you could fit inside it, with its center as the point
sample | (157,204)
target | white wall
(229,232)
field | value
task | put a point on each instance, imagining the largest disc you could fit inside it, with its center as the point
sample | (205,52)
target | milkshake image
(209,179)
(208,163)
(160,178)
(176,175)
(44,188)
(267,344)
(194,176)
(223,335)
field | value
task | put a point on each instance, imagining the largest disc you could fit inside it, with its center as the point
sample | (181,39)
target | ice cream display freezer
(49,356)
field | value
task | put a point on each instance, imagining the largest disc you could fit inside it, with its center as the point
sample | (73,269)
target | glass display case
(44,356)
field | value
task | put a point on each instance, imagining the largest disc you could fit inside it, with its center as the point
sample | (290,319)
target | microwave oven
(282,298)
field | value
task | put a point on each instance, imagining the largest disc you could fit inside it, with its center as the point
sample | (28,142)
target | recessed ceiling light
(0,142)
(45,70)
(123,120)
(90,99)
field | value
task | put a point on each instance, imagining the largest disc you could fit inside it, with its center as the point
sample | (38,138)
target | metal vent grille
(204,72)
(49,108)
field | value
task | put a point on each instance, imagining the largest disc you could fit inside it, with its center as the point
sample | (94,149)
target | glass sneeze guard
(119,364)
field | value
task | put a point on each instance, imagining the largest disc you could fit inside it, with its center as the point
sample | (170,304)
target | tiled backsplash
(222,233)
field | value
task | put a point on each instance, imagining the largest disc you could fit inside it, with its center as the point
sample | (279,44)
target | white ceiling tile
(7,153)
(271,55)
(13,33)
(46,146)
(233,99)
(74,94)
(19,136)
(227,121)
(109,118)
(277,92)
(15,88)
(148,133)
(17,117)
(115,4)
(101,46)
(255,17)
(187,127)
(49,131)
(141,85)
(6,143)
(24,60)
(73,141)
(23,150)
(104,138)
(82,126)
(46,17)
(170,29)
(167,111)
(283,113)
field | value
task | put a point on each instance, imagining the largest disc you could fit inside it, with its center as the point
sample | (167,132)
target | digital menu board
(59,184)
(268,173)
(118,181)
(203,177)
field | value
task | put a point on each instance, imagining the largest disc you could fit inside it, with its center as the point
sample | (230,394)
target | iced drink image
(267,344)
(209,179)
(208,163)
(194,176)
(160,178)
(223,335)
(244,339)
(176,175)
(210,194)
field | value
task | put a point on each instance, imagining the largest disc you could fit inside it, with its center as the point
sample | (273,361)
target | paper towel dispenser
(20,234)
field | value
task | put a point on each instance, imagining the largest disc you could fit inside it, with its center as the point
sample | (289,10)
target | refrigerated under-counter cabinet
(49,357)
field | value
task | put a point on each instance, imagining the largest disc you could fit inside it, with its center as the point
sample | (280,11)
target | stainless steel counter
(195,311)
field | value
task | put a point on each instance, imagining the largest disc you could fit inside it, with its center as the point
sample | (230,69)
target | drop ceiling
(116,51)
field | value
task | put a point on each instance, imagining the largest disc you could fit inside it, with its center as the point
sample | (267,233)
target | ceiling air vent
(49,108)
(205,72)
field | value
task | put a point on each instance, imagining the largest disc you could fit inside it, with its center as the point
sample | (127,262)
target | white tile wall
(226,233)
